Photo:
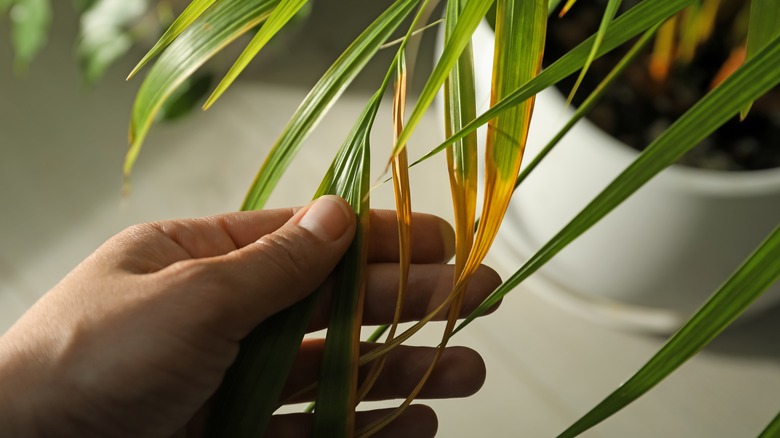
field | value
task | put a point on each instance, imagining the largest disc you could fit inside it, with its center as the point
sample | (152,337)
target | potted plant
(657,257)
(206,26)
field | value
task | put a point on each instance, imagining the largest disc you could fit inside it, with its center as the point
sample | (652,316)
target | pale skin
(136,339)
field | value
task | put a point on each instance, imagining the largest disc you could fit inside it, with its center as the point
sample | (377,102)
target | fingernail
(327,218)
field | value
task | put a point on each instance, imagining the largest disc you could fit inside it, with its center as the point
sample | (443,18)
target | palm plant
(248,397)
(208,25)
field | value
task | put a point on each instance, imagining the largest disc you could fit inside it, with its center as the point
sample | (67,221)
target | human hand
(136,339)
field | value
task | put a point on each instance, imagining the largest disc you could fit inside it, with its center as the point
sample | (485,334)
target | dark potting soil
(637,108)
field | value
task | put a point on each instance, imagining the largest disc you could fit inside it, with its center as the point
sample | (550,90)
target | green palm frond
(282,14)
(609,15)
(760,270)
(194,10)
(772,429)
(763,27)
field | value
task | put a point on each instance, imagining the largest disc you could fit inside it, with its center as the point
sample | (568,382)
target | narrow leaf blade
(763,27)
(249,393)
(337,390)
(194,10)
(403,204)
(567,7)
(606,19)
(279,17)
(759,271)
(460,107)
(520,32)
(772,429)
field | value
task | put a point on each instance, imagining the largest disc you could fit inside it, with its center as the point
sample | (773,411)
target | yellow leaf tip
(126,185)
(210,101)
(135,70)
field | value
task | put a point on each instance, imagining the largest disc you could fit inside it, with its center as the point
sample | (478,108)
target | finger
(417,421)
(432,237)
(428,287)
(459,373)
(242,288)
(433,240)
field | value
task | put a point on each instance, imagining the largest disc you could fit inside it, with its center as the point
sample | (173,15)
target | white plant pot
(656,258)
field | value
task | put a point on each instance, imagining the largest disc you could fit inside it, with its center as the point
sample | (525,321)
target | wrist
(28,393)
(15,415)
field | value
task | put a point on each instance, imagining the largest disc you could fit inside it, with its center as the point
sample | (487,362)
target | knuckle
(137,231)
(286,255)
(203,285)
(190,271)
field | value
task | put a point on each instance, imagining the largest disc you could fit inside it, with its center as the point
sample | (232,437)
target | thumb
(285,266)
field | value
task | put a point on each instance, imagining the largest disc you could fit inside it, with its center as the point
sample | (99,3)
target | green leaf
(772,430)
(186,97)
(103,34)
(321,97)
(763,27)
(283,13)
(349,177)
(635,21)
(566,7)
(759,271)
(30,21)
(213,30)
(750,81)
(249,393)
(606,20)
(403,206)
(194,10)
(472,14)
(519,46)
(460,107)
